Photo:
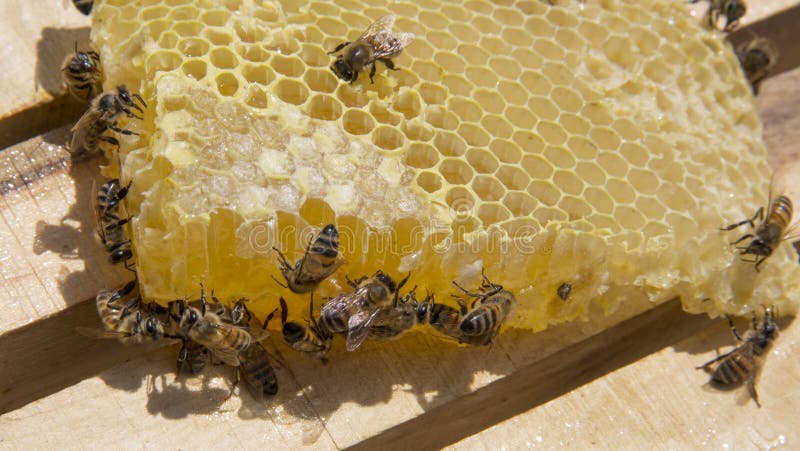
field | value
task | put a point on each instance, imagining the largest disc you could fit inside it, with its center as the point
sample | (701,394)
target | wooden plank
(542,381)
(354,397)
(35,39)
(662,402)
(51,259)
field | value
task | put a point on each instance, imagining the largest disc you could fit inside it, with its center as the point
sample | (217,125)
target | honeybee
(254,363)
(84,6)
(377,43)
(564,291)
(733,10)
(321,259)
(305,338)
(355,312)
(83,74)
(490,309)
(110,227)
(770,231)
(744,363)
(757,57)
(447,320)
(103,113)
(395,320)
(224,340)
(129,324)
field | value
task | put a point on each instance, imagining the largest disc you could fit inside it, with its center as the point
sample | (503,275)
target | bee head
(758,247)
(386,280)
(768,327)
(343,70)
(124,95)
(82,63)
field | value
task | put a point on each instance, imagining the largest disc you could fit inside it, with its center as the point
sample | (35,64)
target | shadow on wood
(542,381)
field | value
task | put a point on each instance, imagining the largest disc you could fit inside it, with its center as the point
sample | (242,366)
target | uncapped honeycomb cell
(598,142)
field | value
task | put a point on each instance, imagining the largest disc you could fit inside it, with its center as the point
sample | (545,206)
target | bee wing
(358,327)
(306,276)
(257,334)
(100,333)
(81,130)
(227,356)
(381,25)
(384,43)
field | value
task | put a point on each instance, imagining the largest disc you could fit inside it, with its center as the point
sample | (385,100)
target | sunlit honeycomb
(599,143)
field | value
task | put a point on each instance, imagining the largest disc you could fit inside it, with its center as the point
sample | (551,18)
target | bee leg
(140,99)
(283,261)
(279,282)
(372,73)
(389,63)
(733,328)
(339,47)
(751,221)
(220,309)
(469,293)
(355,283)
(713,17)
(730,25)
(183,354)
(122,131)
(236,380)
(759,261)
(462,306)
(111,140)
(744,237)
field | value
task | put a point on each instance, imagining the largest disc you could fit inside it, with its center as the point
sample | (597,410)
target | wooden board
(34,40)
(419,391)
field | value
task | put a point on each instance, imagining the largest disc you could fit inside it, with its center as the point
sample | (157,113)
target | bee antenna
(279,282)
(76,46)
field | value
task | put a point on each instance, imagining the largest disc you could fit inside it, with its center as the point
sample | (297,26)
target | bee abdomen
(333,324)
(732,370)
(780,212)
(479,321)
(258,372)
(237,339)
(327,244)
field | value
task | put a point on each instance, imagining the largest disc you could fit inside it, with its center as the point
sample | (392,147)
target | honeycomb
(601,144)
